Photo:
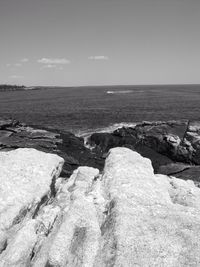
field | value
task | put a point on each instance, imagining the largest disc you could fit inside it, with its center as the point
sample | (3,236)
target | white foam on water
(120,92)
(124,91)
(108,129)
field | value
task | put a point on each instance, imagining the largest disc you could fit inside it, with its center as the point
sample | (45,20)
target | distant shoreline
(7,87)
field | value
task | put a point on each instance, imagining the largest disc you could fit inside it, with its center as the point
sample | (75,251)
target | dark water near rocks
(87,108)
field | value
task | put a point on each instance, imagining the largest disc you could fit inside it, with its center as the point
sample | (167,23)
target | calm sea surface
(88,108)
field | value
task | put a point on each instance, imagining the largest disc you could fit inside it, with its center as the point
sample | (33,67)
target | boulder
(27,181)
(26,176)
(151,220)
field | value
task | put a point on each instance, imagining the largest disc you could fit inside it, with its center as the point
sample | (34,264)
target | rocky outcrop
(14,134)
(125,216)
(162,137)
(165,143)
(173,146)
(27,182)
(152,220)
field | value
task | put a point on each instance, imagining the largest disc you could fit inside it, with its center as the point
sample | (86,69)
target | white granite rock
(77,240)
(26,177)
(152,220)
(124,217)
(20,247)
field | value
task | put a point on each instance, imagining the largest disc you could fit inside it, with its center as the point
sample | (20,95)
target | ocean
(82,110)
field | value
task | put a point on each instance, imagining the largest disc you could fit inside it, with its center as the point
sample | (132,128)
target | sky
(99,42)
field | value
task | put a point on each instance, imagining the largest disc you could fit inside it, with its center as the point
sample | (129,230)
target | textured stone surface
(173,168)
(126,216)
(14,134)
(26,175)
(161,141)
(163,137)
(164,142)
(77,240)
(27,181)
(152,220)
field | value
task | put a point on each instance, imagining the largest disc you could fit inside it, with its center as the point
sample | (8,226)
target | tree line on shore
(9,87)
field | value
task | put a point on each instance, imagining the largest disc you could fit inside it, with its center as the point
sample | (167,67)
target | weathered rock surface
(152,220)
(27,181)
(127,216)
(173,146)
(163,142)
(162,137)
(14,134)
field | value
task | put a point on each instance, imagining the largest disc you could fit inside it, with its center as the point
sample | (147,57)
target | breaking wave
(109,129)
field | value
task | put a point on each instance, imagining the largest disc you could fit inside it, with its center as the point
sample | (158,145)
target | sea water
(83,110)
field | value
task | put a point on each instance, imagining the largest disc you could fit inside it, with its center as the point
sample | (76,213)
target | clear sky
(97,42)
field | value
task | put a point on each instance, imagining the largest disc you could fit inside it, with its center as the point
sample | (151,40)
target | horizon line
(98,85)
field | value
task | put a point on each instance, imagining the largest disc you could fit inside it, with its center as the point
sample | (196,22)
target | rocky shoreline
(62,204)
(172,146)
(14,134)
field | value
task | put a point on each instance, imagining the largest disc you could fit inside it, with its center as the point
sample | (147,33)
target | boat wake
(124,91)
(120,92)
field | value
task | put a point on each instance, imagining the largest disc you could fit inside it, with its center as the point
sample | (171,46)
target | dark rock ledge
(172,146)
(14,134)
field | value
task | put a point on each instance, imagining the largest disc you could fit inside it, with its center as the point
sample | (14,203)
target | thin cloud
(54,61)
(16,76)
(98,57)
(14,65)
(24,60)
(51,66)
(17,64)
